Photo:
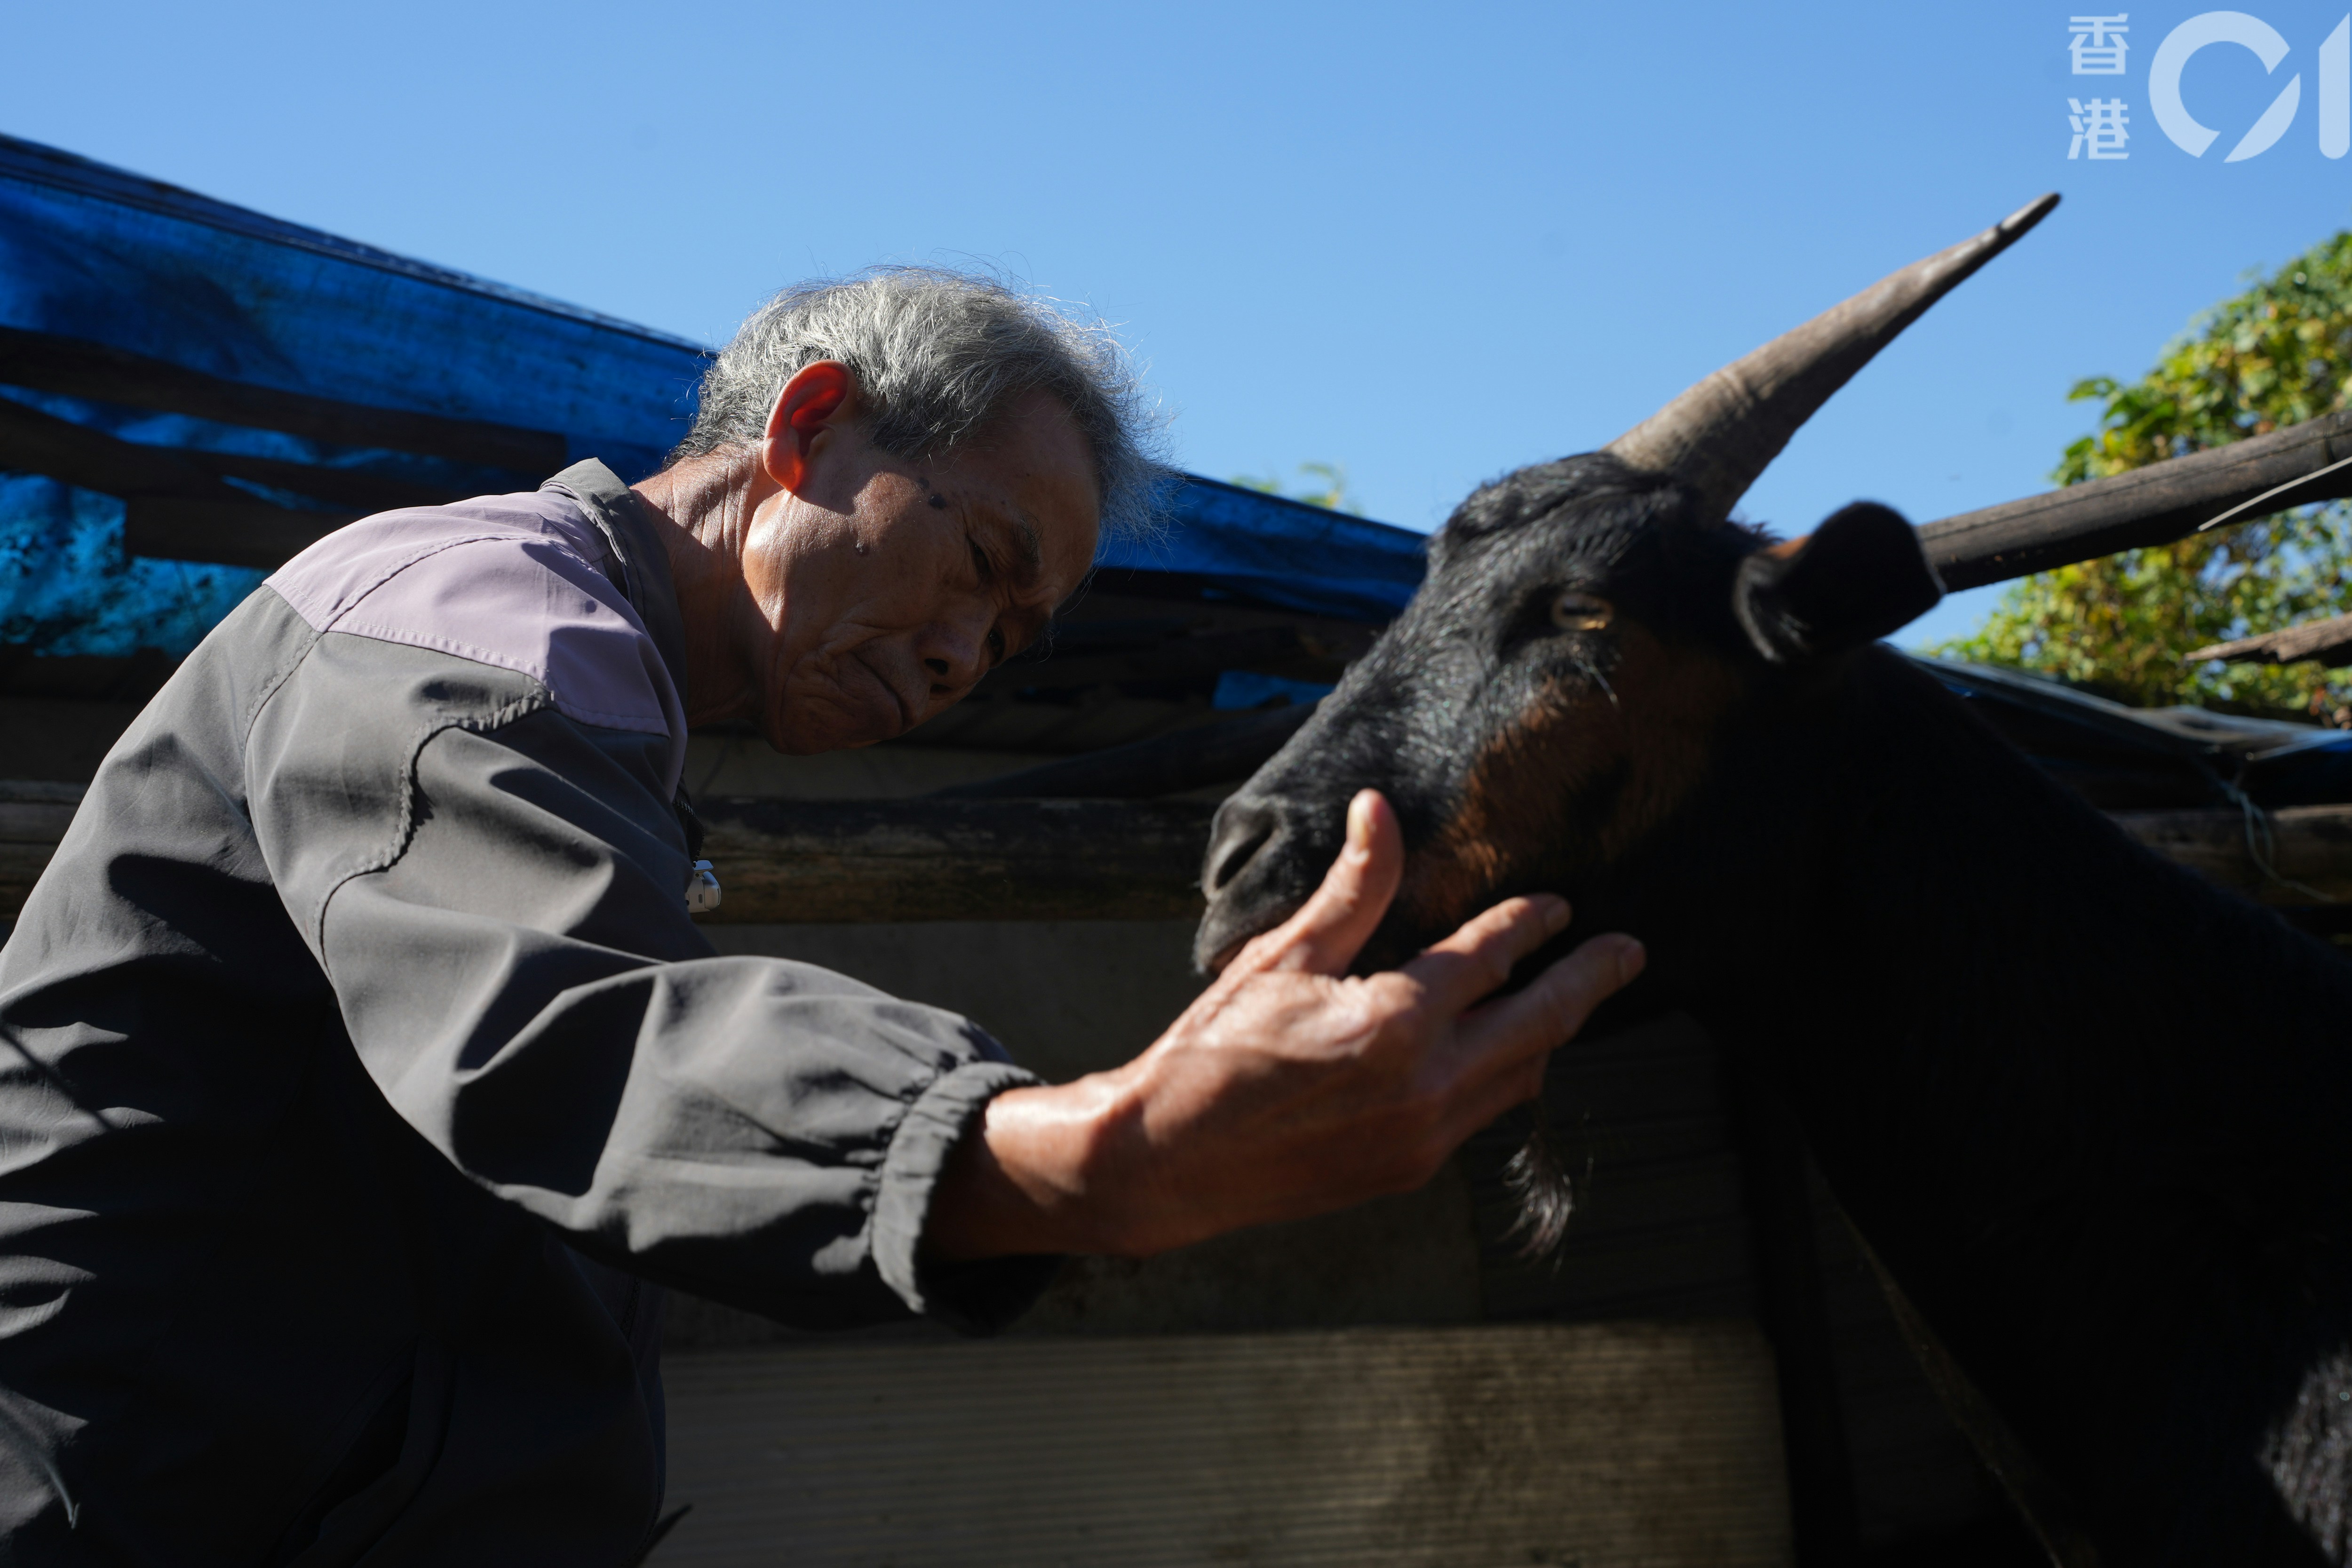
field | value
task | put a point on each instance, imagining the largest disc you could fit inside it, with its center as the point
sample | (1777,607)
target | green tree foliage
(1321,484)
(2276,354)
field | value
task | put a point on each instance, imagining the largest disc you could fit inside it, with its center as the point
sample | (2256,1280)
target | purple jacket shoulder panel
(514,581)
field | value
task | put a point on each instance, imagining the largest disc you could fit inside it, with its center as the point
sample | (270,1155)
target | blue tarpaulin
(93,258)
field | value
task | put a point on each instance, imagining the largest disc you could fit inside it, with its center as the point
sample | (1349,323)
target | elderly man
(366,1072)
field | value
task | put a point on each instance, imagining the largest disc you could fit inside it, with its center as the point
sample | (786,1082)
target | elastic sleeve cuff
(973,1297)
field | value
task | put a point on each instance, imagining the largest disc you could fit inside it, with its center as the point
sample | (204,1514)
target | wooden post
(1795,1318)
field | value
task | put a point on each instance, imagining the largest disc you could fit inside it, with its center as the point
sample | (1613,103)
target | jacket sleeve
(497,894)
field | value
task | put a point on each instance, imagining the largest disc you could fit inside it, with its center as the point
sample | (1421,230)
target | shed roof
(190,389)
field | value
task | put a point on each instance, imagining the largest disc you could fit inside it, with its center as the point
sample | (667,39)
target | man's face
(889,588)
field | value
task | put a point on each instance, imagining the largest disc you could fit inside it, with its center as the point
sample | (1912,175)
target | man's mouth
(906,711)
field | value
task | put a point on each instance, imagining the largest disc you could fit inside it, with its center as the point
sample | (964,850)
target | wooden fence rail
(801,862)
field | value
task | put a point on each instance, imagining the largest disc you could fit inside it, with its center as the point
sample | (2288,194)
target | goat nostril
(1242,830)
(1235,861)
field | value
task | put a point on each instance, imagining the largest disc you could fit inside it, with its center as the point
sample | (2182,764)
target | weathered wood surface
(2154,505)
(2328,642)
(802,862)
(81,368)
(1606,1445)
(33,818)
(793,861)
(1189,759)
(227,533)
(2309,843)
(180,504)
(1173,658)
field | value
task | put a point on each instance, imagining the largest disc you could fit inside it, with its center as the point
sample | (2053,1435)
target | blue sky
(1428,243)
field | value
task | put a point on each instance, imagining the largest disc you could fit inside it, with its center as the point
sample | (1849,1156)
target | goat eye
(1573,612)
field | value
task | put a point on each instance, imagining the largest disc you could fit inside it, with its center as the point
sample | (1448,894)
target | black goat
(2082,1106)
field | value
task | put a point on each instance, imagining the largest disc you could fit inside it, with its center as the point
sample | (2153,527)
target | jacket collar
(641,562)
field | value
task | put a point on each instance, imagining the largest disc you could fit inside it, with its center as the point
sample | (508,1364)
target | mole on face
(938,502)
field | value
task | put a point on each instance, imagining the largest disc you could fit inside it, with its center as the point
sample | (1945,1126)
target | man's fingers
(1509,1042)
(1551,1009)
(1324,937)
(1497,1094)
(1477,958)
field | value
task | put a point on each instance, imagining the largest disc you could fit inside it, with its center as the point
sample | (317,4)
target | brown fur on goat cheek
(1650,745)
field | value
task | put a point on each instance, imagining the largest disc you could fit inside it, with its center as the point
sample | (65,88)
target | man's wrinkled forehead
(1029,547)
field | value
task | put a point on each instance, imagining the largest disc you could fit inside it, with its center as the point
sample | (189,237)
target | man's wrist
(1029,1177)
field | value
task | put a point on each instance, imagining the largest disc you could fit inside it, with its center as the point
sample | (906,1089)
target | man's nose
(954,648)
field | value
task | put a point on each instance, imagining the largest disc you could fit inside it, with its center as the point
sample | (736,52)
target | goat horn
(1718,437)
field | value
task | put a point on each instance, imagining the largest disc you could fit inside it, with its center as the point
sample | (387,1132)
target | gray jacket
(359,1065)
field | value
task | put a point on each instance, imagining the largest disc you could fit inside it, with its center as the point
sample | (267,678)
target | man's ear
(819,398)
(1855,578)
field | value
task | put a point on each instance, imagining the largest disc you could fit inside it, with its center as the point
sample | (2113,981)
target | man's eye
(996,645)
(980,560)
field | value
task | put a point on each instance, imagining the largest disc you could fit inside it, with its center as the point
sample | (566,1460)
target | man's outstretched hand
(1289,1088)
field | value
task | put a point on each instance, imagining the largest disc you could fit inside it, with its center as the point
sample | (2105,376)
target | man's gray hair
(937,354)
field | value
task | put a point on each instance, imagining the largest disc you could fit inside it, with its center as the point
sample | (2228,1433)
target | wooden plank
(827,862)
(1165,658)
(34,816)
(953,860)
(2311,844)
(2154,505)
(179,504)
(32,442)
(1605,1445)
(1917,1483)
(176,505)
(80,368)
(1189,759)
(356,488)
(240,532)
(1794,1317)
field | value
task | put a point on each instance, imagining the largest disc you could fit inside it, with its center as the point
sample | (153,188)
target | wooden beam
(80,368)
(2311,844)
(33,818)
(1165,765)
(179,503)
(242,532)
(32,442)
(2328,642)
(2154,505)
(826,862)
(1166,658)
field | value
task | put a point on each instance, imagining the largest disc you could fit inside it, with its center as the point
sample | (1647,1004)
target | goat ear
(1855,578)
